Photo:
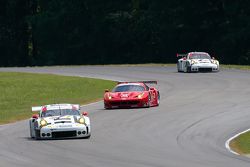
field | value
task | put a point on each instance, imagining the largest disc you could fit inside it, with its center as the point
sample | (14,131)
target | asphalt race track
(197,114)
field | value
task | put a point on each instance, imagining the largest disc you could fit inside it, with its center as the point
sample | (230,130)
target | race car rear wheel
(149,100)
(158,99)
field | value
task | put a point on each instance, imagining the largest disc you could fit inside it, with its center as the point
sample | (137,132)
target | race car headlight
(43,122)
(109,96)
(81,120)
(215,62)
(140,95)
(193,62)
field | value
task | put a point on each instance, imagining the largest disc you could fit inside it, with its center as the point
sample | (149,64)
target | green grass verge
(20,91)
(241,144)
(240,67)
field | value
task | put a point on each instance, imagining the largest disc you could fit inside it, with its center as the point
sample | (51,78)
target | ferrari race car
(59,121)
(197,62)
(132,94)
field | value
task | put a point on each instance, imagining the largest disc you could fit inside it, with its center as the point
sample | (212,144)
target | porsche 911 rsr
(59,121)
(197,62)
(132,94)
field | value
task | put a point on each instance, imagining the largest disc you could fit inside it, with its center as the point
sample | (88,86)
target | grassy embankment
(20,91)
(239,67)
(241,144)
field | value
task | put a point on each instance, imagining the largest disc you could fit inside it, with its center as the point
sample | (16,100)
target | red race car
(132,94)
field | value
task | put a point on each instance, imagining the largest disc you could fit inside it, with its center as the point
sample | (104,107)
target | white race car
(59,121)
(197,62)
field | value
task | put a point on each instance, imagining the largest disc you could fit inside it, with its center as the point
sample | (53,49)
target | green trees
(13,32)
(56,32)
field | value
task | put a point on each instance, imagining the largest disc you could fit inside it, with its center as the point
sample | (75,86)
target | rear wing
(181,55)
(77,106)
(54,106)
(148,82)
(37,108)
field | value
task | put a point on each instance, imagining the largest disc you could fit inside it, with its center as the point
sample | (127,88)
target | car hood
(62,119)
(125,94)
(201,60)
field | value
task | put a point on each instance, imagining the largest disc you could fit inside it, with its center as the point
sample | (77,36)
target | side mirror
(213,58)
(85,113)
(35,116)
(106,90)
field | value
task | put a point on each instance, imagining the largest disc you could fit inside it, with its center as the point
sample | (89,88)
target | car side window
(147,88)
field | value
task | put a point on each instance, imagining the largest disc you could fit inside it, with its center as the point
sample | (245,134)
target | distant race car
(59,121)
(197,62)
(132,94)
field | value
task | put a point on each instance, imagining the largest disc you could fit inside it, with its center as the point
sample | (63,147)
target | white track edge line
(229,140)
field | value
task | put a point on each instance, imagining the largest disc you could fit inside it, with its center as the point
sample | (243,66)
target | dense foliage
(56,32)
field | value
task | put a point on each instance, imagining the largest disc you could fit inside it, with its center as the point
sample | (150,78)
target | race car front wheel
(37,134)
(178,67)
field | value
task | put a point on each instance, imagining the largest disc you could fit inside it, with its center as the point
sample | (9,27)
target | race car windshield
(129,88)
(61,112)
(199,56)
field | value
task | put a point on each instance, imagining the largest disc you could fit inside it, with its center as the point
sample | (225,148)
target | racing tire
(106,107)
(37,134)
(158,99)
(31,134)
(149,99)
(178,67)
(30,130)
(188,69)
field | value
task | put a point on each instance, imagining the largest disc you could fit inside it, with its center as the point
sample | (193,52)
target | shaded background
(66,32)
